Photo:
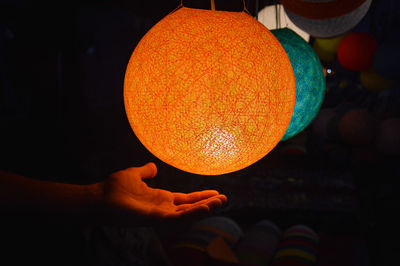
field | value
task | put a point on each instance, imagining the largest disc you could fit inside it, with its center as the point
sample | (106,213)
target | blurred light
(356,51)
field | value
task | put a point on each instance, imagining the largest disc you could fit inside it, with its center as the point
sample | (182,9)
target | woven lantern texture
(326,18)
(209,92)
(310,80)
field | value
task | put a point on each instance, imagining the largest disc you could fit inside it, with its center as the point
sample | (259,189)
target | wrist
(93,200)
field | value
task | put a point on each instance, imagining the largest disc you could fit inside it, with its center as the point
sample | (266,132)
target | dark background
(62,118)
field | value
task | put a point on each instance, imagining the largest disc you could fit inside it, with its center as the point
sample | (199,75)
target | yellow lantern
(326,48)
(209,92)
(373,81)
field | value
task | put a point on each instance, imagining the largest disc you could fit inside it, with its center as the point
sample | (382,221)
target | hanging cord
(245,8)
(212,5)
(279,16)
(178,7)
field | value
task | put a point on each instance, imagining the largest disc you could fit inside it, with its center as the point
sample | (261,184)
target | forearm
(22,196)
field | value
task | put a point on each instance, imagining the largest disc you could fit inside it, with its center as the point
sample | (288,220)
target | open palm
(133,199)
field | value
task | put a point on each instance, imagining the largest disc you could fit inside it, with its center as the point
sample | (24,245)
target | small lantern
(326,19)
(371,80)
(326,48)
(356,51)
(310,80)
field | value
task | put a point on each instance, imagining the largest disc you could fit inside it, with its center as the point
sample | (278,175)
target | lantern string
(278,24)
(279,17)
(178,7)
(245,8)
(212,5)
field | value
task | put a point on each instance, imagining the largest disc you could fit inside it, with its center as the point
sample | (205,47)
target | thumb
(148,170)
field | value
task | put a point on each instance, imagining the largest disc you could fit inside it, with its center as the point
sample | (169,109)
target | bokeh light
(356,51)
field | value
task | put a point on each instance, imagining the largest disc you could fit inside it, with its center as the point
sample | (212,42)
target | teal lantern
(310,80)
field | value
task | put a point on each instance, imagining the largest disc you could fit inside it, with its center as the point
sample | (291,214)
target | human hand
(133,201)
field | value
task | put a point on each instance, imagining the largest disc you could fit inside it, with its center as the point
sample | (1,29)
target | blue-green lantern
(310,80)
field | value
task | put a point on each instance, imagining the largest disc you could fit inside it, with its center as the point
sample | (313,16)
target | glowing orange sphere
(209,92)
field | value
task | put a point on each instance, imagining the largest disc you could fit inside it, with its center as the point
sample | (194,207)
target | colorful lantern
(326,48)
(207,242)
(373,81)
(356,51)
(209,92)
(298,247)
(258,245)
(310,80)
(326,19)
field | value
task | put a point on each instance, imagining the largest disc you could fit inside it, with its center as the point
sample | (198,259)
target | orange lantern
(209,92)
